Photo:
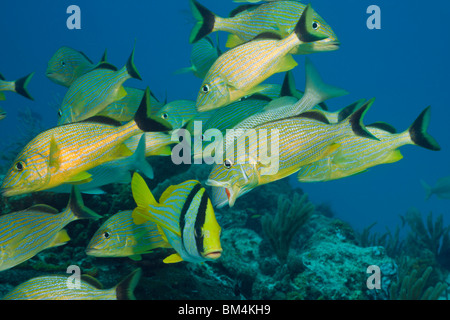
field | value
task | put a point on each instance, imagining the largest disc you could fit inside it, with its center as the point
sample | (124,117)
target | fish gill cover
(164,207)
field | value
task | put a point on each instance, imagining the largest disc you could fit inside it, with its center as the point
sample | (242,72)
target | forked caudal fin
(20,86)
(356,121)
(77,207)
(205,21)
(131,68)
(316,88)
(418,132)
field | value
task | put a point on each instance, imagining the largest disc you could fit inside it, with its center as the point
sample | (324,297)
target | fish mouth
(9,192)
(213,254)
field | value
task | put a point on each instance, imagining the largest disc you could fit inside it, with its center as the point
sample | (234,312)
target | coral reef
(289,218)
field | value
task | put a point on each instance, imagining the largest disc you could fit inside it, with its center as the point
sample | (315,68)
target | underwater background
(404,65)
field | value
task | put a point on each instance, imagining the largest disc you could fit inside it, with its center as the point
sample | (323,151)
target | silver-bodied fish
(239,71)
(248,21)
(24,234)
(18,86)
(94,91)
(65,153)
(67,64)
(61,287)
(301,140)
(357,155)
(119,236)
(186,217)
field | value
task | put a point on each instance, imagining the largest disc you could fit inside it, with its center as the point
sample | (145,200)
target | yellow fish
(56,287)
(357,155)
(25,233)
(185,217)
(67,64)
(64,154)
(239,71)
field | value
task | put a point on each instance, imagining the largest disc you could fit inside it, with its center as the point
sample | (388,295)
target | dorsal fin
(84,55)
(259,96)
(383,126)
(106,65)
(267,36)
(43,208)
(92,281)
(242,8)
(314,115)
(103,120)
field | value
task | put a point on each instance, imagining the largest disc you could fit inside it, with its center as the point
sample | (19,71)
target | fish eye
(164,116)
(63,63)
(106,235)
(19,166)
(315,25)
(228,164)
(205,88)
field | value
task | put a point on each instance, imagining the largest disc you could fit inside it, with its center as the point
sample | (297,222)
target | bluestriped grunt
(91,93)
(56,287)
(357,154)
(25,233)
(250,20)
(119,236)
(239,71)
(301,140)
(64,154)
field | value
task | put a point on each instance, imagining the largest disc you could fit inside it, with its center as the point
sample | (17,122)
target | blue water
(404,65)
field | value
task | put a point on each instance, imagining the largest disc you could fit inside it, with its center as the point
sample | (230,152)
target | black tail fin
(305,30)
(418,132)
(205,21)
(144,118)
(131,68)
(77,207)
(124,290)
(355,120)
(288,88)
(21,86)
(348,110)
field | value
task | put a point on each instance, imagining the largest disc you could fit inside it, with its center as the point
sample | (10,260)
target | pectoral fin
(60,239)
(54,155)
(286,63)
(173,258)
(80,178)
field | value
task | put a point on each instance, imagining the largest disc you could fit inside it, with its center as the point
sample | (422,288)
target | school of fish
(106,130)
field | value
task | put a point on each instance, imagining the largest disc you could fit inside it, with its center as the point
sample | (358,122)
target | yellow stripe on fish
(248,21)
(119,236)
(301,140)
(93,92)
(186,217)
(64,154)
(239,71)
(357,154)
(67,64)
(24,234)
(56,287)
